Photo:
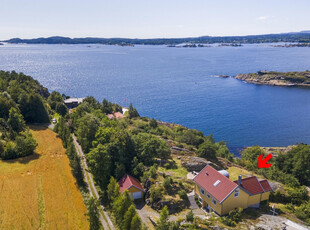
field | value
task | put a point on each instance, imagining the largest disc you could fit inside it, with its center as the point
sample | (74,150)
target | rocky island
(277,78)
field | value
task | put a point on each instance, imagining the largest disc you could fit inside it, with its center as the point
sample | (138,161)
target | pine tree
(113,190)
(93,214)
(163,222)
(121,205)
(136,223)
(130,213)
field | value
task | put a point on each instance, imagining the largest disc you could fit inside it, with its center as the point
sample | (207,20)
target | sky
(150,18)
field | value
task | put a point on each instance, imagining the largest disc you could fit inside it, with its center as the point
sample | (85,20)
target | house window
(200,200)
(208,195)
(213,201)
(202,191)
(237,192)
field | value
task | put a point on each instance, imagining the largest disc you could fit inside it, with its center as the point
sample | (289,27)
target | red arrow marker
(262,163)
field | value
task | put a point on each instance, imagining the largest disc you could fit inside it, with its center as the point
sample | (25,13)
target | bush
(190,216)
(227,221)
(155,194)
(167,183)
(303,212)
(278,197)
(298,195)
(167,165)
(233,217)
(197,202)
(183,195)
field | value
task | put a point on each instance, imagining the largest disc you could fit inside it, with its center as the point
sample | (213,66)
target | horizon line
(133,38)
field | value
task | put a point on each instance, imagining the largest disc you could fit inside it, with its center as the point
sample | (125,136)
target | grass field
(39,191)
(234,172)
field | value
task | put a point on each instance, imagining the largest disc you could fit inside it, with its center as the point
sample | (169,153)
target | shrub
(233,217)
(190,216)
(183,195)
(197,202)
(167,165)
(167,183)
(303,212)
(155,194)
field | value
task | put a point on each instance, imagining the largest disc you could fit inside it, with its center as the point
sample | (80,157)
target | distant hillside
(301,37)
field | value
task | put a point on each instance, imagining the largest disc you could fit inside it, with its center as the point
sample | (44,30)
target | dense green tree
(61,109)
(75,163)
(138,170)
(25,144)
(250,157)
(54,99)
(103,135)
(136,223)
(9,151)
(129,214)
(6,103)
(132,112)
(153,123)
(33,109)
(149,147)
(120,171)
(122,149)
(63,132)
(207,150)
(163,222)
(190,136)
(16,120)
(121,205)
(107,106)
(297,163)
(223,151)
(93,214)
(88,126)
(113,190)
(99,162)
(93,103)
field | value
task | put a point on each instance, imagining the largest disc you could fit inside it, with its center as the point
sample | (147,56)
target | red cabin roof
(213,182)
(266,186)
(128,181)
(251,184)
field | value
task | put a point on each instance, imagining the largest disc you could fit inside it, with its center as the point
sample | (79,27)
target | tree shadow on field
(38,127)
(24,160)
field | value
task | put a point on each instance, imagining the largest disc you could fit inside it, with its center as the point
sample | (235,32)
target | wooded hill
(301,37)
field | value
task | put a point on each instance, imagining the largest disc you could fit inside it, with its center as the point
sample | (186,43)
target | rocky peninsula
(277,78)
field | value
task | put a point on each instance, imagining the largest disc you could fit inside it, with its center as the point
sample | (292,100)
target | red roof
(117,115)
(251,184)
(266,186)
(215,183)
(128,181)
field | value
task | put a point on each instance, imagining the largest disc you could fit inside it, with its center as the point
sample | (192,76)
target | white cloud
(261,18)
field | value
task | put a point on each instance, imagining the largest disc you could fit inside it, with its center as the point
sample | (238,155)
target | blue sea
(180,85)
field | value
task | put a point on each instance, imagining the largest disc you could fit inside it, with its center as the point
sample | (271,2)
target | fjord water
(178,85)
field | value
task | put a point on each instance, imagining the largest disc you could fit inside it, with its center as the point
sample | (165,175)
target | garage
(133,186)
(136,195)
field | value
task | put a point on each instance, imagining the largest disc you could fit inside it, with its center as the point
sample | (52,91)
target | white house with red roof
(217,193)
(132,185)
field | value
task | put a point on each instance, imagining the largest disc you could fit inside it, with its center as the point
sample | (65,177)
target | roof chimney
(239,180)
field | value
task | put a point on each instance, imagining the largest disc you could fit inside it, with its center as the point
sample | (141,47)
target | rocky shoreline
(276,78)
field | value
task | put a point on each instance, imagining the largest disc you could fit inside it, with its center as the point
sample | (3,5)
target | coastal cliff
(277,78)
